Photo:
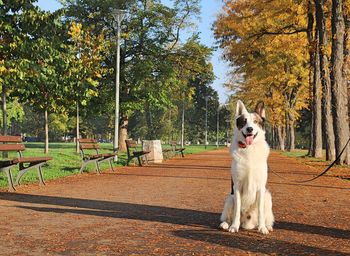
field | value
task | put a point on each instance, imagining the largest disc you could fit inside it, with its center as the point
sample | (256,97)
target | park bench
(134,152)
(176,149)
(89,152)
(167,152)
(14,144)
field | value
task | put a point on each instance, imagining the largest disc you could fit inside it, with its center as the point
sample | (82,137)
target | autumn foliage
(271,46)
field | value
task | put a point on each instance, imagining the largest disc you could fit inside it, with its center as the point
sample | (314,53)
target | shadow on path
(149,213)
(253,244)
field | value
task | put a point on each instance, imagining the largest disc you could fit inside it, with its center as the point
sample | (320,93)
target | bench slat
(131,143)
(10,138)
(87,141)
(31,159)
(12,147)
(89,146)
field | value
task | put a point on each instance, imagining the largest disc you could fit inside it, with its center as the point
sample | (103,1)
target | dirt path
(173,209)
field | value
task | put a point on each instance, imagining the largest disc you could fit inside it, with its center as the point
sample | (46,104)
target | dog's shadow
(207,221)
(254,244)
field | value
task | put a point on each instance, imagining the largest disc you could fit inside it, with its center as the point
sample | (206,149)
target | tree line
(294,55)
(57,71)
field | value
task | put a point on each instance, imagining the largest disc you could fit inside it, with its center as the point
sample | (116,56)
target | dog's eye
(255,121)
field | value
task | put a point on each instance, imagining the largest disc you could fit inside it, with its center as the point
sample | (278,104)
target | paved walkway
(173,209)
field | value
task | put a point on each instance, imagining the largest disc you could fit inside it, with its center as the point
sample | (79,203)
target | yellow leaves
(258,38)
(75,31)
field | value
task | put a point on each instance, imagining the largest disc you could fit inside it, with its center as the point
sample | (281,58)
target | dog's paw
(269,228)
(263,230)
(233,229)
(224,225)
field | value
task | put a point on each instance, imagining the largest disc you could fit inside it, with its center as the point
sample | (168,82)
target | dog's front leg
(261,221)
(236,212)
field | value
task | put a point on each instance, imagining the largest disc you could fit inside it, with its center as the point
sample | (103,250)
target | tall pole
(206,121)
(183,123)
(217,127)
(118,17)
(4,116)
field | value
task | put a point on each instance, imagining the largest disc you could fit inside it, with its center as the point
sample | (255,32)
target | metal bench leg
(19,176)
(110,164)
(40,175)
(97,168)
(10,180)
(83,165)
(182,154)
(139,160)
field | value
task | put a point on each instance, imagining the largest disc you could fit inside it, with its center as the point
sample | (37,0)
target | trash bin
(156,154)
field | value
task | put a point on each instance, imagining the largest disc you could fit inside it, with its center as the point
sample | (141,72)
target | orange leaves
(75,31)
(266,43)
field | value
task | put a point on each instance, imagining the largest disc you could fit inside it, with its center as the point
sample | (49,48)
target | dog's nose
(249,129)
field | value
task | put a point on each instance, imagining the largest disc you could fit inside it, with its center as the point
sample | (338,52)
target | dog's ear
(240,108)
(260,109)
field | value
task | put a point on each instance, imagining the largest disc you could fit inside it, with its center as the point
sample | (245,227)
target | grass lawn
(341,171)
(67,162)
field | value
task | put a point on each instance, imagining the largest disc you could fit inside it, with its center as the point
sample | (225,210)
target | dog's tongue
(249,140)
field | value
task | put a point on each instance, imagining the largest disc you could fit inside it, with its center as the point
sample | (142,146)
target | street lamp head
(118,15)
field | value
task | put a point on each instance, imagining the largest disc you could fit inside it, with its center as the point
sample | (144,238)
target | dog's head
(249,126)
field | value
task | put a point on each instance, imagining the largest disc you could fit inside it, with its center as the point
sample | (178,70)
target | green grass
(296,153)
(67,162)
(302,153)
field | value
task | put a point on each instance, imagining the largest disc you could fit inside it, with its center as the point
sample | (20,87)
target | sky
(209,10)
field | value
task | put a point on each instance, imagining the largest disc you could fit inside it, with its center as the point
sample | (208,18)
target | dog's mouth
(249,138)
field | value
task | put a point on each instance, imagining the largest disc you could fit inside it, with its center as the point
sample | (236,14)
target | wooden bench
(90,145)
(134,152)
(176,149)
(14,143)
(167,152)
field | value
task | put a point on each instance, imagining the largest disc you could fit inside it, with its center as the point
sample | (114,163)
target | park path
(173,209)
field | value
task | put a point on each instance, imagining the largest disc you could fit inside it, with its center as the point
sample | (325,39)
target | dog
(250,205)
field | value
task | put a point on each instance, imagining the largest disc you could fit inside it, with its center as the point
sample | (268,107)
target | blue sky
(209,10)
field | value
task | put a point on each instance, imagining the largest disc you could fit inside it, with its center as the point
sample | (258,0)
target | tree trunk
(310,25)
(281,137)
(317,105)
(287,140)
(46,132)
(339,89)
(149,121)
(346,71)
(77,129)
(123,133)
(272,142)
(291,136)
(291,129)
(4,116)
(326,82)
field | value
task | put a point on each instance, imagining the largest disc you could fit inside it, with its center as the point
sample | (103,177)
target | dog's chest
(250,163)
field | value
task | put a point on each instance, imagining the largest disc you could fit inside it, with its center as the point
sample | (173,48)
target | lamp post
(118,16)
(183,123)
(217,127)
(206,121)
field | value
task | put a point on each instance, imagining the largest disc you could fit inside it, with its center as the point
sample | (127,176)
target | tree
(42,59)
(254,38)
(339,87)
(325,79)
(85,68)
(12,14)
(151,35)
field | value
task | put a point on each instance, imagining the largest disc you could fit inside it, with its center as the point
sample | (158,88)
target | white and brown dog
(250,205)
